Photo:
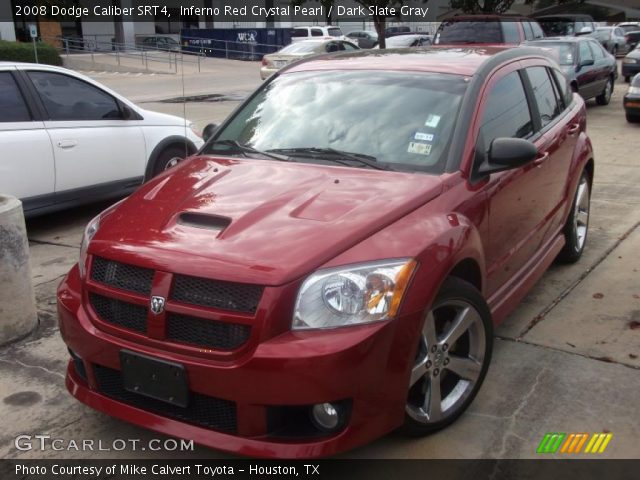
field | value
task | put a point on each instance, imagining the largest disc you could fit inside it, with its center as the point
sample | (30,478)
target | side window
(619,32)
(506,112)
(510,32)
(596,49)
(316,32)
(537,30)
(585,52)
(348,46)
(544,94)
(12,106)
(68,98)
(563,85)
(528,31)
(332,47)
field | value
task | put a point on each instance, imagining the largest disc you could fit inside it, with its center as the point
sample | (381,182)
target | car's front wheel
(453,356)
(168,158)
(575,230)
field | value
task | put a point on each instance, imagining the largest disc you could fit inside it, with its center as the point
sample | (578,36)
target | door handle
(541,159)
(573,128)
(67,143)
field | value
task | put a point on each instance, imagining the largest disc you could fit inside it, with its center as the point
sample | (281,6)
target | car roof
(572,16)
(465,60)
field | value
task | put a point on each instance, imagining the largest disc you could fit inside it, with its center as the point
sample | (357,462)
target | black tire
(574,245)
(167,159)
(614,51)
(632,118)
(454,290)
(627,79)
(605,97)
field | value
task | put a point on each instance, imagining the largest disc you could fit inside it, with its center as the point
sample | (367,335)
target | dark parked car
(591,70)
(633,38)
(631,64)
(396,30)
(489,29)
(364,38)
(331,265)
(566,25)
(631,101)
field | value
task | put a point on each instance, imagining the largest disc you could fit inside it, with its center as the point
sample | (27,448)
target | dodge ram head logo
(157,305)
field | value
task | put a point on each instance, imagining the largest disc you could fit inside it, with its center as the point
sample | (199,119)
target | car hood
(635,53)
(255,221)
(157,118)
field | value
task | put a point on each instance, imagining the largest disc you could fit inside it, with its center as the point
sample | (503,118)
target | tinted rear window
(469,32)
(557,27)
(299,32)
(335,32)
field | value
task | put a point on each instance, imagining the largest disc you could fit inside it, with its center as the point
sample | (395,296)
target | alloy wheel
(448,363)
(172,163)
(581,214)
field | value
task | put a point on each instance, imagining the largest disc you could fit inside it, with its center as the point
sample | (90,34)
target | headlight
(629,60)
(352,295)
(634,90)
(89,233)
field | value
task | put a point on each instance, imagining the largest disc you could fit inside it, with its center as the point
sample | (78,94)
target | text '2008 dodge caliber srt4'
(331,264)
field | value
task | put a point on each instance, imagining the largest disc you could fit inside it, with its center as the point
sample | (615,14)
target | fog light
(325,416)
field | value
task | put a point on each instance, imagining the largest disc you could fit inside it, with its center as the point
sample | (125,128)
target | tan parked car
(275,61)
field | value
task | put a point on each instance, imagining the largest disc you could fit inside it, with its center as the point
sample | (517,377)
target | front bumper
(363,366)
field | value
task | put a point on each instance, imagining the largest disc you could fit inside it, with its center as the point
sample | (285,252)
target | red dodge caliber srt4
(330,266)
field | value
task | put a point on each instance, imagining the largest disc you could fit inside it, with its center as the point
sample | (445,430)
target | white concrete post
(18,314)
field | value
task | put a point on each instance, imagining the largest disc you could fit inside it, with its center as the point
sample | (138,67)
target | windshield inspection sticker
(432,121)
(419,148)
(427,137)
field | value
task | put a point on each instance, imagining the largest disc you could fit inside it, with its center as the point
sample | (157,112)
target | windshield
(630,28)
(301,47)
(557,27)
(565,51)
(469,32)
(401,120)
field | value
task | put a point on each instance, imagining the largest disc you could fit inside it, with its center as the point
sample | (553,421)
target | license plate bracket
(154,378)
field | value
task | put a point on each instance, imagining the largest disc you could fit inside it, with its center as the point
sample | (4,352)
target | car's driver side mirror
(506,154)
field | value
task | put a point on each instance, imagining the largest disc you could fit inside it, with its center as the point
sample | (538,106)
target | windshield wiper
(318,152)
(247,149)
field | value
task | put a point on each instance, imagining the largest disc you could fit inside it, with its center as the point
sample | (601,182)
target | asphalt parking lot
(566,360)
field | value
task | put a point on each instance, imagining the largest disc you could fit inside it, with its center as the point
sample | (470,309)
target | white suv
(67,139)
(316,32)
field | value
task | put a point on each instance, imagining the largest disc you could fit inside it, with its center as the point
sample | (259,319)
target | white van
(316,32)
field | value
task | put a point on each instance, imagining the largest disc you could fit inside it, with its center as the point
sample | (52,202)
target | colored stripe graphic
(573,443)
(551,442)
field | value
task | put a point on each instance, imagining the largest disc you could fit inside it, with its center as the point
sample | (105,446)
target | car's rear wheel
(605,97)
(627,79)
(614,51)
(453,356)
(577,226)
(632,118)
(168,158)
